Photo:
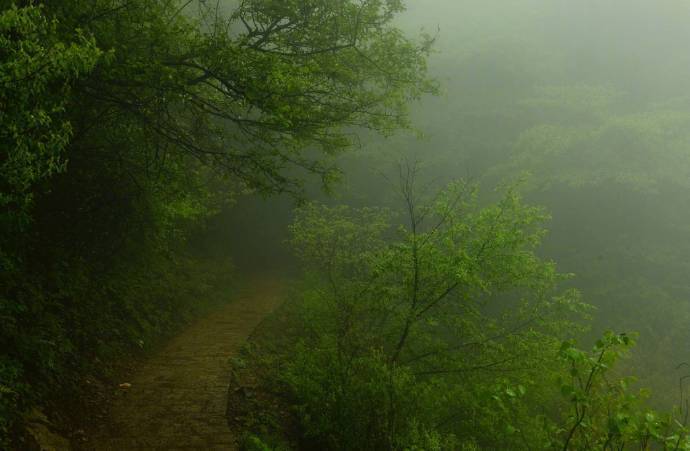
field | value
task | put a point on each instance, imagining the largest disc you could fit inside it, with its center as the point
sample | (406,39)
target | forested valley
(422,224)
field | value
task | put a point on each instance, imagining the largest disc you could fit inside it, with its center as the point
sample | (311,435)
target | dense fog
(446,201)
(588,102)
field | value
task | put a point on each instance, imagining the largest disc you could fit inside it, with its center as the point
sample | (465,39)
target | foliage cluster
(405,324)
(603,412)
(446,331)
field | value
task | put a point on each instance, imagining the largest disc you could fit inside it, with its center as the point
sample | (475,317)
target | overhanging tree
(272,87)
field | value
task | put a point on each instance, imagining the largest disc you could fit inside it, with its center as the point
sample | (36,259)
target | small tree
(413,329)
(603,413)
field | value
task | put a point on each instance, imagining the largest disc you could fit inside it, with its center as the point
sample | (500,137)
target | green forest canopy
(125,125)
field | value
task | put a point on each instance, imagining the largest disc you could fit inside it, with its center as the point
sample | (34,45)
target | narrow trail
(177,400)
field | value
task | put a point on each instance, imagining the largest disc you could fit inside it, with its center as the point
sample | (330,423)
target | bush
(359,403)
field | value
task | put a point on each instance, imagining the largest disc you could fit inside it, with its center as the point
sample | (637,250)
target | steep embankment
(177,400)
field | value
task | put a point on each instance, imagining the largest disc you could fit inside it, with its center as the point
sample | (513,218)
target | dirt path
(178,399)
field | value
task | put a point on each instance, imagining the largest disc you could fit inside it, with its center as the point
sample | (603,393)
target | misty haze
(345,225)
